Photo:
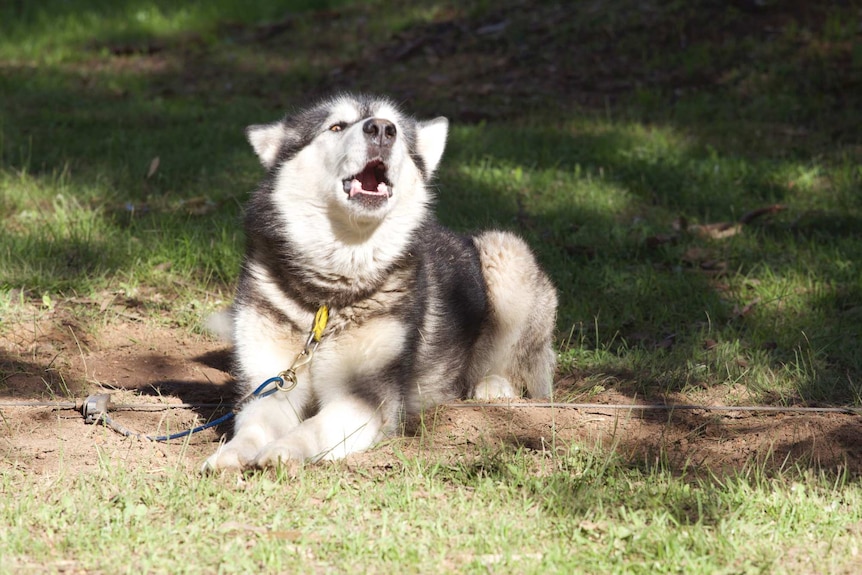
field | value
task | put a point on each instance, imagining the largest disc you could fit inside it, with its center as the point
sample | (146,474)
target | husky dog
(418,315)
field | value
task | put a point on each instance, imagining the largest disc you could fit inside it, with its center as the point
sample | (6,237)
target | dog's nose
(379,131)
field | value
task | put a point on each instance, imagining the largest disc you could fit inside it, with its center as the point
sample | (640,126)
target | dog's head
(359,157)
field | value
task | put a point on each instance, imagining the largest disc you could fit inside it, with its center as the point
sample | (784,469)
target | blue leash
(213,423)
(95,410)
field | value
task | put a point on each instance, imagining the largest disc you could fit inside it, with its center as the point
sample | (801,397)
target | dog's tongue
(367,183)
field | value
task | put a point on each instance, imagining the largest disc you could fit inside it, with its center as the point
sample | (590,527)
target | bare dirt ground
(57,358)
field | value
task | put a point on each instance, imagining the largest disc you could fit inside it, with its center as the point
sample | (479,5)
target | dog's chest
(357,346)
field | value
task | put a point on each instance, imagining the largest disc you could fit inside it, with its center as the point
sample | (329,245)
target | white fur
(269,428)
(345,425)
(361,352)
(263,347)
(494,387)
(431,141)
(220,324)
(338,238)
(257,425)
(266,139)
(509,268)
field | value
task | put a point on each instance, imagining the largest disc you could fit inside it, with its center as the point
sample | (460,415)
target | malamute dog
(418,315)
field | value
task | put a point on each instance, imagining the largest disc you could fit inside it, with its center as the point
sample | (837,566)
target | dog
(342,225)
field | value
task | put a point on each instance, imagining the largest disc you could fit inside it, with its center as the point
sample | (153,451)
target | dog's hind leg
(523,302)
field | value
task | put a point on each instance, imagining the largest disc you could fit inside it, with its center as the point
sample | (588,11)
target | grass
(607,233)
(615,140)
(504,511)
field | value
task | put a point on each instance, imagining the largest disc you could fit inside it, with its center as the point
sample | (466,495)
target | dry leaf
(106,303)
(237,526)
(154,167)
(286,535)
(745,310)
(199,206)
(717,231)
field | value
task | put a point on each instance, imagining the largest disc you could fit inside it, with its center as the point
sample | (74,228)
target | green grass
(57,31)
(604,136)
(504,511)
(597,191)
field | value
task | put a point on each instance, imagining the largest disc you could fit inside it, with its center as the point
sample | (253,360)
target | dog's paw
(221,460)
(280,452)
(494,387)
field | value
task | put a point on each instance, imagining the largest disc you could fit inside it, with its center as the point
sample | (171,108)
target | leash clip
(287,378)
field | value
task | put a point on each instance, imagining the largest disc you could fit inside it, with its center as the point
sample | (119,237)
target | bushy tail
(524,308)
(220,324)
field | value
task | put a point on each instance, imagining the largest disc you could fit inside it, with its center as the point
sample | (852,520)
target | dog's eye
(337,127)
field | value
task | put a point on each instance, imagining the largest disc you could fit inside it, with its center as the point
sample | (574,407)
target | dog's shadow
(206,398)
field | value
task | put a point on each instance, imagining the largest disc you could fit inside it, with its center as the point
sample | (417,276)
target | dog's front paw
(224,458)
(280,452)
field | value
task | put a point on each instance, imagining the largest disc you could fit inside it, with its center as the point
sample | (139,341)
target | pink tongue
(357,187)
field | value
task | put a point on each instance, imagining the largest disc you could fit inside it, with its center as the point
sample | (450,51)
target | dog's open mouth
(369,184)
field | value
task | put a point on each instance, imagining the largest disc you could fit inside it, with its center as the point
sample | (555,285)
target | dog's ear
(266,139)
(431,141)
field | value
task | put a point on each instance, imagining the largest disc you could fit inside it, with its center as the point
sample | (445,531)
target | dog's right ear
(266,139)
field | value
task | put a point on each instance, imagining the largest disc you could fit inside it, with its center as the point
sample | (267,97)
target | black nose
(380,132)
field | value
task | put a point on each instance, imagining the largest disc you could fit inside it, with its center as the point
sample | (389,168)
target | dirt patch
(55,359)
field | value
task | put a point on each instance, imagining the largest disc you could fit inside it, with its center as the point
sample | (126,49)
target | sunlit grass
(64,31)
(576,511)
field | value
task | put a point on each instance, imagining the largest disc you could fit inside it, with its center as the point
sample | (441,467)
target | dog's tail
(220,324)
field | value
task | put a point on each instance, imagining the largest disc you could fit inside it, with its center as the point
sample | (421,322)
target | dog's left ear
(267,139)
(431,141)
